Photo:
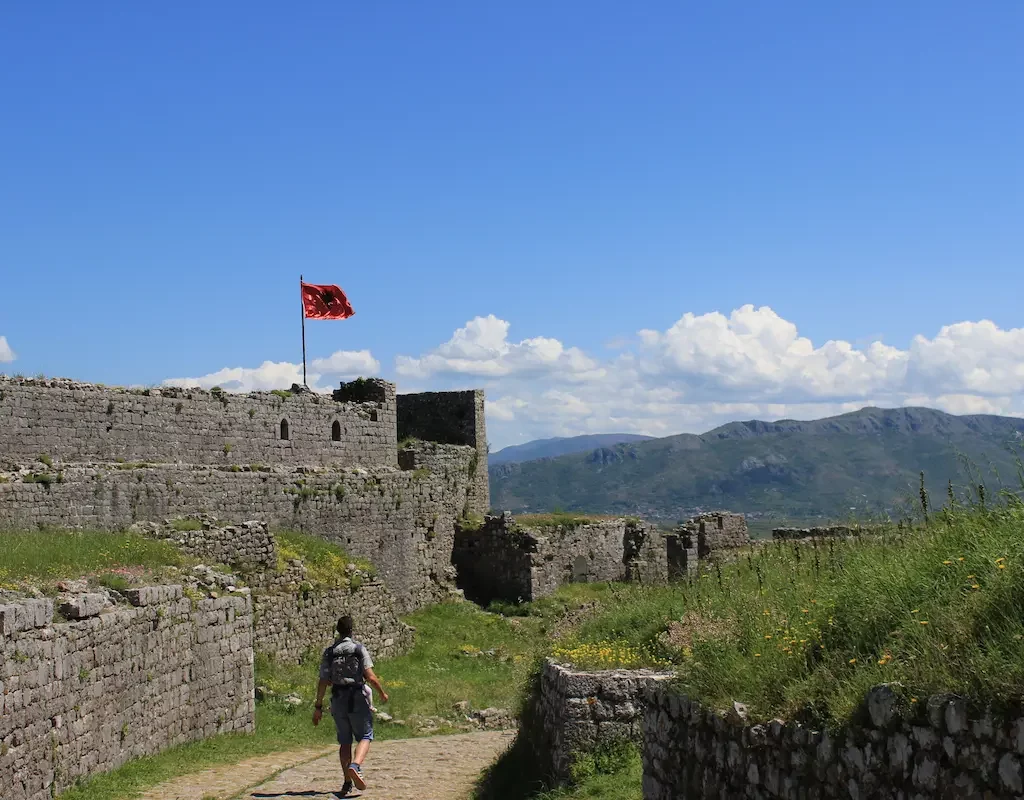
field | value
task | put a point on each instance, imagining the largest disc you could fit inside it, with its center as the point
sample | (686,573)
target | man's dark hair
(345,626)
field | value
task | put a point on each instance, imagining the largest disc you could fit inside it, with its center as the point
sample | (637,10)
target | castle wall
(450,418)
(401,521)
(291,623)
(504,559)
(936,749)
(77,422)
(711,531)
(83,697)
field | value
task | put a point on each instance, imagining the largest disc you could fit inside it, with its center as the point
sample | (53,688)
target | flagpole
(302,307)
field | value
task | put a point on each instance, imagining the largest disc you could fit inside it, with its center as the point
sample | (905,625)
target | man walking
(346,667)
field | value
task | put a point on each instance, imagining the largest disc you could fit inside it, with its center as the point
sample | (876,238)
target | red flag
(325,302)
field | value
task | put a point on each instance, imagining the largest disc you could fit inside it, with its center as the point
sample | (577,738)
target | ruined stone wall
(715,530)
(82,697)
(935,750)
(494,561)
(247,546)
(826,532)
(291,622)
(401,521)
(572,711)
(451,418)
(508,560)
(74,422)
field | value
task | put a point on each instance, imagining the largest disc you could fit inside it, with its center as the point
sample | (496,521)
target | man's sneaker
(355,774)
(346,789)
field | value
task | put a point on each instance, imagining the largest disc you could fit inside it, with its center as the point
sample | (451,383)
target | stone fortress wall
(174,451)
(86,696)
(936,748)
(517,561)
(292,614)
(451,418)
(76,422)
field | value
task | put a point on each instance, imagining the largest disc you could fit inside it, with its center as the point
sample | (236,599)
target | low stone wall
(290,623)
(82,697)
(938,750)
(826,532)
(247,546)
(507,560)
(573,711)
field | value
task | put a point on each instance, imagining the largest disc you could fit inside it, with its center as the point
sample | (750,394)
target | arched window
(284,430)
(336,431)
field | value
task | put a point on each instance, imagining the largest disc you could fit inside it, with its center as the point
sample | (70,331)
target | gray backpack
(346,664)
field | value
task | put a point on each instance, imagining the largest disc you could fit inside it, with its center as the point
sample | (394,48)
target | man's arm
(318,709)
(374,681)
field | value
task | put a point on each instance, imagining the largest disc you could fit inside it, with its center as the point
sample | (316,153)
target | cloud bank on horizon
(702,371)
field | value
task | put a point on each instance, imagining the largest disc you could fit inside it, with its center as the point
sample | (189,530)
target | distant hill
(864,463)
(560,446)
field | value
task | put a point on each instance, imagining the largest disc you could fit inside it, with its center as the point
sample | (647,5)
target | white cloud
(481,349)
(282,374)
(348,364)
(713,368)
(7,355)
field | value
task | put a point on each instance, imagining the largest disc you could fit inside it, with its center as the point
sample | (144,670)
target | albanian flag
(325,302)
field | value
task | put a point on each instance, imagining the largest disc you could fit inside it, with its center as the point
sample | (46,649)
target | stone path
(432,768)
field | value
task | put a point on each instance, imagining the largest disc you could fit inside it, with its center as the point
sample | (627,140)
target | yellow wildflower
(923,622)
(853,661)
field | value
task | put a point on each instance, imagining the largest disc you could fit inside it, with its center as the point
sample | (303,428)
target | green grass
(802,630)
(451,662)
(325,561)
(50,555)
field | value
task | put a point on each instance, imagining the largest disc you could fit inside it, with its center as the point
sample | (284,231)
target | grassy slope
(43,557)
(857,464)
(793,629)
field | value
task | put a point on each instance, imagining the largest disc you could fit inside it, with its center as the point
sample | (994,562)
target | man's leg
(344,730)
(362,728)
(362,748)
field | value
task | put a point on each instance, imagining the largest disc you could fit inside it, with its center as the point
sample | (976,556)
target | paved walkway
(432,768)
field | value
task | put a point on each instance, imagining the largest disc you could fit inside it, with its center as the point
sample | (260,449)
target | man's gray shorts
(353,719)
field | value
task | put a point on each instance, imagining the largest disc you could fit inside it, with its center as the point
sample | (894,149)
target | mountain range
(865,463)
(560,446)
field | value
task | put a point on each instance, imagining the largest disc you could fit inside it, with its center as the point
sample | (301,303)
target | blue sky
(580,171)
